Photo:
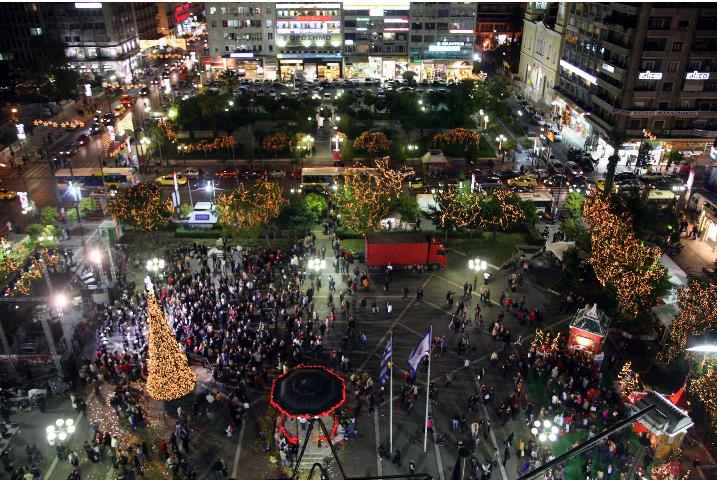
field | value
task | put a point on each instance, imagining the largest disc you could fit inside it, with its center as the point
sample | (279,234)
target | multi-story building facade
(99,37)
(376,38)
(146,17)
(498,23)
(441,38)
(353,39)
(241,38)
(310,40)
(541,50)
(25,34)
(634,67)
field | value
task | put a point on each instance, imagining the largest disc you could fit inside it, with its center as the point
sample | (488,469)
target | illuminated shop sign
(182,12)
(241,55)
(648,75)
(579,72)
(88,5)
(314,18)
(308,5)
(608,68)
(444,48)
(395,29)
(458,30)
(698,75)
(395,20)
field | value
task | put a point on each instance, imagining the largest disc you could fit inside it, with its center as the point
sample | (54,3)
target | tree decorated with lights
(697,314)
(619,259)
(705,389)
(276,143)
(465,137)
(671,470)
(457,207)
(168,374)
(501,208)
(141,206)
(628,381)
(364,197)
(250,207)
(373,143)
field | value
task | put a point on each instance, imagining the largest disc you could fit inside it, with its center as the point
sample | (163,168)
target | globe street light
(60,431)
(316,265)
(485,122)
(500,139)
(477,265)
(155,265)
(545,430)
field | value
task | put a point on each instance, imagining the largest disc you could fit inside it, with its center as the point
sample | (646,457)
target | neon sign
(182,12)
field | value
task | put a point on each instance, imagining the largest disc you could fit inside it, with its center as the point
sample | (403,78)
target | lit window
(35,31)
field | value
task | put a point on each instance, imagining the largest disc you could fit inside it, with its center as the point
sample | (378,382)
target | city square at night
(358,240)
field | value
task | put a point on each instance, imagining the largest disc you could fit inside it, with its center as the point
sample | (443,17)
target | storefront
(572,118)
(707,226)
(441,69)
(308,66)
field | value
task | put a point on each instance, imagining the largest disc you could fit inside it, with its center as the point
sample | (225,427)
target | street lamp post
(155,265)
(500,139)
(485,122)
(545,431)
(60,301)
(60,431)
(477,265)
(96,257)
(315,266)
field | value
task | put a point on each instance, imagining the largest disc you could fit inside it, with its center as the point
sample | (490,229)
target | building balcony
(603,101)
(616,45)
(600,122)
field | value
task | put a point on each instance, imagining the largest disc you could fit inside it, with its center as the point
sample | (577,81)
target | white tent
(434,157)
(559,248)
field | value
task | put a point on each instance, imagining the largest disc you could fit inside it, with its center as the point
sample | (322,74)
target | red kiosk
(588,330)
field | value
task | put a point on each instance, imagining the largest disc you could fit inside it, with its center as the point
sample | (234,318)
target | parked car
(277,173)
(227,173)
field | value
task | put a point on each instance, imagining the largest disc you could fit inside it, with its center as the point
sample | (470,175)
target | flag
(422,349)
(387,354)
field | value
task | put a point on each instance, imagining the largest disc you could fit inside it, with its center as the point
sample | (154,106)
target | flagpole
(428,390)
(390,403)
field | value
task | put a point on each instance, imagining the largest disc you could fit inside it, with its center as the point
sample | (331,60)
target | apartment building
(375,38)
(441,38)
(640,69)
(241,38)
(25,34)
(98,37)
(541,50)
(498,23)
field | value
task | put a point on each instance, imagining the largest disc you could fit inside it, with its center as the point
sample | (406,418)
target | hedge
(182,232)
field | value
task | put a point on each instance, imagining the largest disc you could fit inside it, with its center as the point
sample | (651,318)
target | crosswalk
(40,169)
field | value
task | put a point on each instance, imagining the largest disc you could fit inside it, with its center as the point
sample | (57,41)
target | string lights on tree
(671,470)
(142,206)
(619,259)
(165,126)
(546,342)
(168,374)
(250,207)
(628,380)
(276,143)
(219,143)
(697,314)
(705,389)
(373,143)
(457,136)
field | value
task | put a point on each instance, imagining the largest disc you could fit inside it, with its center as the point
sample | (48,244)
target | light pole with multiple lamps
(477,265)
(315,266)
(60,431)
(155,265)
(545,431)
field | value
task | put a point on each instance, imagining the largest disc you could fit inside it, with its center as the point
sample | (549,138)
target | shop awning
(559,248)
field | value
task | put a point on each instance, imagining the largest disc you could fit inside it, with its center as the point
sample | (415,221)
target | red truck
(404,249)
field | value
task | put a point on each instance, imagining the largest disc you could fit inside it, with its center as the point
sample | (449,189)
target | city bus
(326,177)
(92,177)
(543,201)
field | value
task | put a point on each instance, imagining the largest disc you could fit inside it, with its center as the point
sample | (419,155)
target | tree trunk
(610,174)
(266,237)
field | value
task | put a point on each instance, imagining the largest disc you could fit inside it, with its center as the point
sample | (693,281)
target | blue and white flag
(421,350)
(386,360)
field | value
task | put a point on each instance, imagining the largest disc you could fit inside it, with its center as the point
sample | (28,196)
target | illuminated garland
(628,380)
(167,130)
(705,389)
(278,142)
(619,259)
(250,207)
(302,142)
(219,143)
(457,136)
(53,124)
(509,207)
(697,314)
(165,56)
(141,205)
(168,373)
(374,143)
(128,86)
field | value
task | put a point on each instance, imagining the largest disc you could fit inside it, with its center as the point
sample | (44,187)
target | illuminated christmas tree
(169,375)
(628,380)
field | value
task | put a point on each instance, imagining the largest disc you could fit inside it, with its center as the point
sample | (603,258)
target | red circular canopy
(308,391)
